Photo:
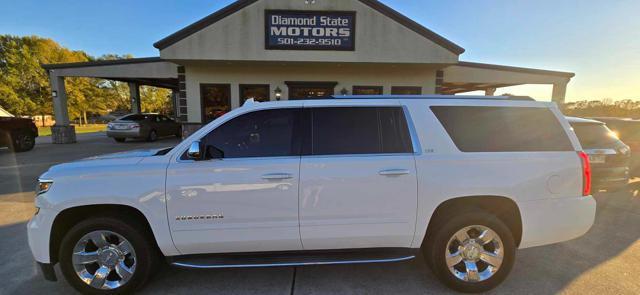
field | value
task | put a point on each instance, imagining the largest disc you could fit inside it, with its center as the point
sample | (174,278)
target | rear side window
(503,129)
(358,130)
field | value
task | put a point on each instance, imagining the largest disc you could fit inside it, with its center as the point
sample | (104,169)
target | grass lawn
(46,131)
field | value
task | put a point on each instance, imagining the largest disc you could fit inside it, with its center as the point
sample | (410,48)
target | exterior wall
(241,37)
(346,75)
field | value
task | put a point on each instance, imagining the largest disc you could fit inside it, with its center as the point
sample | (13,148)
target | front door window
(216,101)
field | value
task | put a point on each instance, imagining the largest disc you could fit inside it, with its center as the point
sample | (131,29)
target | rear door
(357,179)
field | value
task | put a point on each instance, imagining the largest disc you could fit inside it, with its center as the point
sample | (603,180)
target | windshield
(594,136)
(136,117)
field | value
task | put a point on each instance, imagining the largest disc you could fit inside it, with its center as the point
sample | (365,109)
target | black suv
(609,156)
(18,134)
(628,130)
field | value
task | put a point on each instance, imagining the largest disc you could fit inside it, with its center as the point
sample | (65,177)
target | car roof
(583,120)
(359,100)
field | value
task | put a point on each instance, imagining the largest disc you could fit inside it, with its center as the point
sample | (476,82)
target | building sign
(310,30)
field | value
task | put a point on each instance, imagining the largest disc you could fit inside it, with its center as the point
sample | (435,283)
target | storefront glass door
(215,101)
(310,90)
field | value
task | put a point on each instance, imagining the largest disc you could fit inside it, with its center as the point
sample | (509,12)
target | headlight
(43,186)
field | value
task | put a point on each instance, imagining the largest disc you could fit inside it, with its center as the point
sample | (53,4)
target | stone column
(559,92)
(62,131)
(134,93)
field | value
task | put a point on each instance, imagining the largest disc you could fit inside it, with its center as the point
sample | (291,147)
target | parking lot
(604,261)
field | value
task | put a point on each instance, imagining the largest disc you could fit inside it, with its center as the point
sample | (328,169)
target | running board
(293,258)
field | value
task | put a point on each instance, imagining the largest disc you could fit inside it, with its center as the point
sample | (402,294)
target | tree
(24,84)
(25,89)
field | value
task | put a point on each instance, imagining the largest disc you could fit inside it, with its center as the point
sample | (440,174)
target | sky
(598,40)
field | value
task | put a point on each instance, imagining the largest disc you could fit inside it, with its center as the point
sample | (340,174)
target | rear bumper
(610,177)
(135,133)
(555,220)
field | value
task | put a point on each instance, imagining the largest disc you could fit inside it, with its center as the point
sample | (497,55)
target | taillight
(586,173)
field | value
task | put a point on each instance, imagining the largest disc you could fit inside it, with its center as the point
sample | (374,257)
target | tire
(443,241)
(153,136)
(141,259)
(22,142)
(120,139)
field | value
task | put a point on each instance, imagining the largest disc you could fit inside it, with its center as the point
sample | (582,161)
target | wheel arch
(67,218)
(505,208)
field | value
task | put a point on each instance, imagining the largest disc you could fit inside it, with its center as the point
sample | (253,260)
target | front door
(248,200)
(358,185)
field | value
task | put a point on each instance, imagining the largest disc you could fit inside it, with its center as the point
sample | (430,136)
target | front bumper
(555,220)
(38,233)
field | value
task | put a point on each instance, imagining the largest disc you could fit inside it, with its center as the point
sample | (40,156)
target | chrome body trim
(284,264)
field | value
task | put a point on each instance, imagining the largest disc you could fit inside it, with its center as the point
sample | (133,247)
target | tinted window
(359,130)
(503,129)
(394,131)
(135,117)
(268,133)
(593,136)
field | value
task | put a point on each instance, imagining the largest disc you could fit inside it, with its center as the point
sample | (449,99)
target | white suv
(464,180)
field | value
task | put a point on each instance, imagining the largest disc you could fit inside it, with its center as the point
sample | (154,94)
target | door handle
(394,172)
(277,176)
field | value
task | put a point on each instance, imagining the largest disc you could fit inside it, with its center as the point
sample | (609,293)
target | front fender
(141,188)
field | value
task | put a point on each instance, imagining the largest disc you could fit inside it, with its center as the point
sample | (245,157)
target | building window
(367,90)
(406,90)
(259,92)
(310,90)
(215,101)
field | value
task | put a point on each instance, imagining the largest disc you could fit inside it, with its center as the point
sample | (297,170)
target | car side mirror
(214,152)
(194,152)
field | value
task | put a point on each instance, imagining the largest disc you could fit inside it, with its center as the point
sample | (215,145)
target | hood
(128,154)
(101,163)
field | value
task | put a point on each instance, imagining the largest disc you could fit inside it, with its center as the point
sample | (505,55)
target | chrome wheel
(474,253)
(104,260)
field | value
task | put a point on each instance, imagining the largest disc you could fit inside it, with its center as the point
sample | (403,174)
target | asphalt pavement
(604,261)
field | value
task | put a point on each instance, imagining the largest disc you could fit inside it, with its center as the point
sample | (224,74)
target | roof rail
(478,97)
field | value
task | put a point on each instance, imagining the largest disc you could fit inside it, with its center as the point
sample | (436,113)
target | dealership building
(273,50)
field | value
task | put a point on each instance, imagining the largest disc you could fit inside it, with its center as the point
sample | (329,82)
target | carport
(470,76)
(136,72)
